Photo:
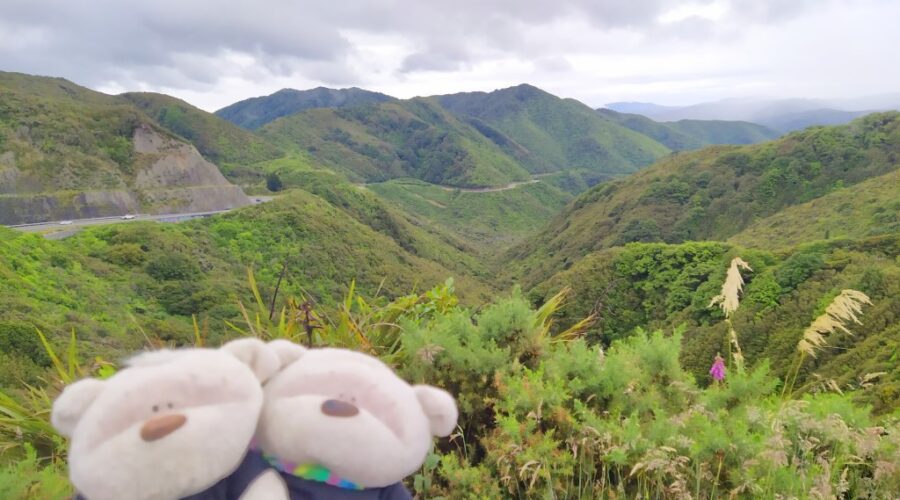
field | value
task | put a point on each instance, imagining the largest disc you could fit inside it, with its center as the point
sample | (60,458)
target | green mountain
(714,193)
(68,152)
(255,112)
(686,135)
(554,134)
(414,138)
(228,146)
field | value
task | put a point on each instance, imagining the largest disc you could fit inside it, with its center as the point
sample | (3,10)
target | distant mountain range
(471,139)
(783,115)
(466,140)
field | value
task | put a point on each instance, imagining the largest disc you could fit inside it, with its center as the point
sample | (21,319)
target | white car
(65,223)
(127,217)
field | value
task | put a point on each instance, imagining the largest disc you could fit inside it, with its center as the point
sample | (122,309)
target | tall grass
(728,300)
(841,311)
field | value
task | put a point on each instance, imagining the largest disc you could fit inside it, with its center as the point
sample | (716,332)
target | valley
(517,248)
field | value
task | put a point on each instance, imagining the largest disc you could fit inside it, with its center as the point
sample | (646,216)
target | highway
(57,230)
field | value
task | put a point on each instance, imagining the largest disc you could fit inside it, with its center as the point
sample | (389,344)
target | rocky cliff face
(169,176)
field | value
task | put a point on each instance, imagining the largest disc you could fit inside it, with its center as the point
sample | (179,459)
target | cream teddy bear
(339,424)
(172,424)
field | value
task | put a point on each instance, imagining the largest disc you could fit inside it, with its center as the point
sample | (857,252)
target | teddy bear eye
(170,405)
(155,408)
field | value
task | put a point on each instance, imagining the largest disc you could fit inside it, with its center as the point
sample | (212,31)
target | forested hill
(714,193)
(693,134)
(255,112)
(557,133)
(412,138)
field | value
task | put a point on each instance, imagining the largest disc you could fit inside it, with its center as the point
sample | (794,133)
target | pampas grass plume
(843,309)
(728,298)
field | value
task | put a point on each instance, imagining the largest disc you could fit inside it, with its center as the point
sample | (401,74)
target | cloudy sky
(215,52)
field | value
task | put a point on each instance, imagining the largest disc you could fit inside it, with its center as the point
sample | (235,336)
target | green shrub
(172,266)
(29,479)
(17,338)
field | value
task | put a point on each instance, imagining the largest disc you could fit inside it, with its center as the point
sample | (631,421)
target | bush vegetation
(546,415)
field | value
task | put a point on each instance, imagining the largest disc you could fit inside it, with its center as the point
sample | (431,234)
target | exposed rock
(170,177)
(9,174)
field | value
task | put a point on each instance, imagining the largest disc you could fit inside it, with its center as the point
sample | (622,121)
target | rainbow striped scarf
(310,472)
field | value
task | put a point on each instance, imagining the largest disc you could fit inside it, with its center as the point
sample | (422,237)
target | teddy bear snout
(338,408)
(161,426)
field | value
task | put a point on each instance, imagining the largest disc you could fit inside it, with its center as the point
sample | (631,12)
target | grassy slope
(714,193)
(221,142)
(558,133)
(61,137)
(414,138)
(491,219)
(653,285)
(255,112)
(95,281)
(865,209)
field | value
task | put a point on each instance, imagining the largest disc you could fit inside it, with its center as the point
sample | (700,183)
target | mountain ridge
(256,112)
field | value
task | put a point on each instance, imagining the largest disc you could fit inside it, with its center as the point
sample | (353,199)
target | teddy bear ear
(287,351)
(256,354)
(73,402)
(440,407)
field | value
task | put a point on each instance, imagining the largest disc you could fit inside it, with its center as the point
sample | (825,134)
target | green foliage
(18,338)
(414,138)
(172,266)
(255,112)
(543,415)
(487,218)
(715,193)
(29,478)
(866,209)
(797,268)
(273,182)
(663,286)
(568,419)
(548,134)
(65,137)
(219,141)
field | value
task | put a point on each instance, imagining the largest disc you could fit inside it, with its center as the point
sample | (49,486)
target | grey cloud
(181,44)
(96,40)
(553,65)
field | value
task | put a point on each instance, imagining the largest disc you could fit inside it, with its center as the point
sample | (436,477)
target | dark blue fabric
(232,486)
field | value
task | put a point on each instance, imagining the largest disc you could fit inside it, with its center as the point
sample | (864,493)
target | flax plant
(729,300)
(842,310)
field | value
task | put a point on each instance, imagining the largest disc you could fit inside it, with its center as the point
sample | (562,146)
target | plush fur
(350,413)
(169,425)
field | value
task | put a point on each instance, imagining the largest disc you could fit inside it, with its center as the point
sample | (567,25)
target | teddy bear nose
(162,426)
(338,408)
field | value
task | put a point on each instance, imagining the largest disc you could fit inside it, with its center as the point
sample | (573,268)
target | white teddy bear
(172,424)
(340,424)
